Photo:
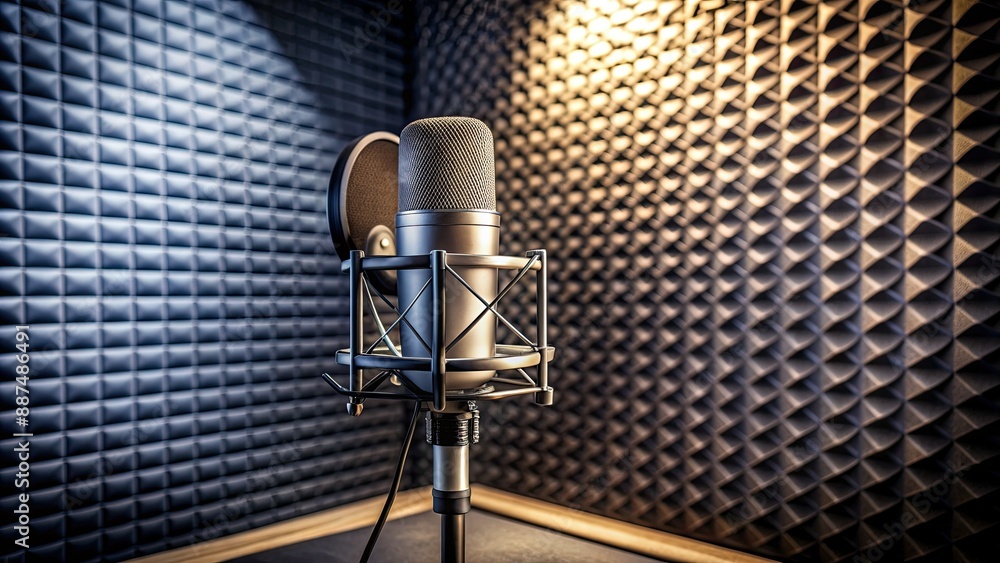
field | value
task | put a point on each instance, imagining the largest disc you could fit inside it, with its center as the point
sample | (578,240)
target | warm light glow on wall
(775,260)
(606,64)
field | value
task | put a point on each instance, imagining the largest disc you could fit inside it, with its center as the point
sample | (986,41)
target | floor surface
(489,538)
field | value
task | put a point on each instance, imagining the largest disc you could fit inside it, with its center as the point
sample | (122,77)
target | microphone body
(447,201)
(464,232)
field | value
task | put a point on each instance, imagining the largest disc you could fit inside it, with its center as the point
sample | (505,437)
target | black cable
(395,484)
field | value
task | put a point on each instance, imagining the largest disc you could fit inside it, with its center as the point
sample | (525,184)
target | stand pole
(453,538)
(450,433)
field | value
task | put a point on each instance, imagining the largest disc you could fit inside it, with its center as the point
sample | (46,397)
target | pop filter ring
(336,200)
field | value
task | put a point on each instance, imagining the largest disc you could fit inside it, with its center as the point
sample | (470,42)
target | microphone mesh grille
(447,163)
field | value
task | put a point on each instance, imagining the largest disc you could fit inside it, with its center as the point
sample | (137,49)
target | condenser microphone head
(447,163)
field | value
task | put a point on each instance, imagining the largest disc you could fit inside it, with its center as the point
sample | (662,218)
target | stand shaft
(450,434)
(453,538)
(451,499)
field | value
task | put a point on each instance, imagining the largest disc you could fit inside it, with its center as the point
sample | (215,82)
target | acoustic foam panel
(773,234)
(164,234)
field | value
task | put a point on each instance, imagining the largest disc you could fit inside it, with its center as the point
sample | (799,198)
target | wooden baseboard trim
(334,521)
(630,537)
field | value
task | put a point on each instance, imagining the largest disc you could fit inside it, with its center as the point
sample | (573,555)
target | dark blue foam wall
(163,230)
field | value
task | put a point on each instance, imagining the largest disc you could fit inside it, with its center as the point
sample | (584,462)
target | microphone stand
(452,423)
(450,434)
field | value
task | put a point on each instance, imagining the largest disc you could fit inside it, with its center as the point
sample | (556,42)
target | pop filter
(362,201)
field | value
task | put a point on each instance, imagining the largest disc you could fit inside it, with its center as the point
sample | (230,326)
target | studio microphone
(447,201)
(447,242)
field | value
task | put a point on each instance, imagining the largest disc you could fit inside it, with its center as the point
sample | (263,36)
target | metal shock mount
(452,423)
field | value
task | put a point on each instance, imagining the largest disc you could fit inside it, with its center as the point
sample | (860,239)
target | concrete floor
(489,538)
